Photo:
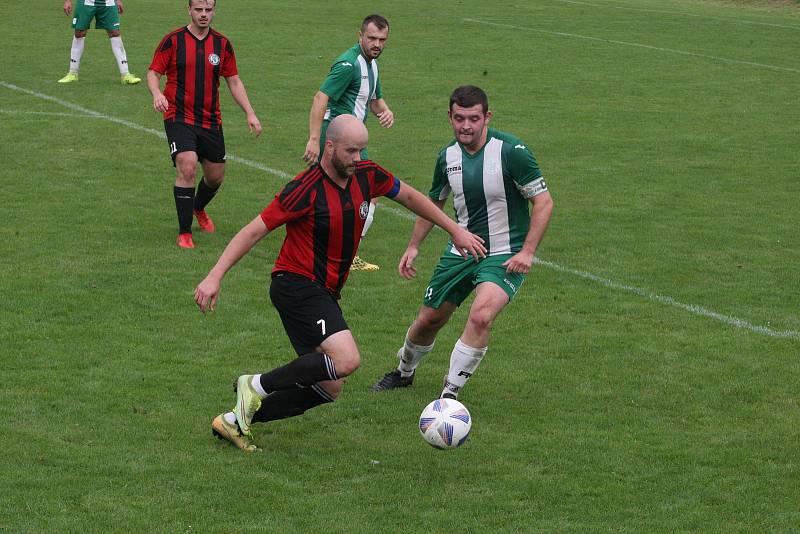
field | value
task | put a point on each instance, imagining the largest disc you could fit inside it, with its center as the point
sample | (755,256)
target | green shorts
(105,17)
(322,132)
(455,278)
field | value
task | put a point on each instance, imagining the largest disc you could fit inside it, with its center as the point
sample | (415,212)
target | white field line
(680,14)
(691,308)
(132,125)
(635,45)
(45,114)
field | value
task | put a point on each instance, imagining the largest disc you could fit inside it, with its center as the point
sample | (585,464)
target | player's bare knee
(480,320)
(113,33)
(428,325)
(186,172)
(80,34)
(347,364)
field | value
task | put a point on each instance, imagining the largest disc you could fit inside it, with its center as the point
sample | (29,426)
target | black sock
(184,202)
(290,403)
(306,370)
(204,195)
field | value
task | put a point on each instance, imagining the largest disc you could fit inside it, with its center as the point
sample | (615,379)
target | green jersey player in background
(352,87)
(106,16)
(494,179)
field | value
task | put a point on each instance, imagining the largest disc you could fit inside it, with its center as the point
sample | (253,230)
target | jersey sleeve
(440,189)
(291,203)
(338,79)
(229,62)
(381,181)
(163,55)
(524,170)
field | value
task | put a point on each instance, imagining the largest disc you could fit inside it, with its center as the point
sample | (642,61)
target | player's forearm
(540,219)
(316,115)
(422,227)
(425,208)
(239,246)
(378,106)
(239,95)
(154,82)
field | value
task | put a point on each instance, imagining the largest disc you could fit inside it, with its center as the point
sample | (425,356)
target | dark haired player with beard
(324,209)
(499,194)
(353,87)
(194,58)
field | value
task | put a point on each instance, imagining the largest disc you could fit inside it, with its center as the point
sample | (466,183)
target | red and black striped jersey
(324,221)
(193,67)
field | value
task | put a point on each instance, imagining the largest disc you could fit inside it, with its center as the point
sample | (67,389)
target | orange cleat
(185,241)
(205,222)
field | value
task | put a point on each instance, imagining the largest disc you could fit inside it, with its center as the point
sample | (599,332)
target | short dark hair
(375,19)
(215,3)
(467,96)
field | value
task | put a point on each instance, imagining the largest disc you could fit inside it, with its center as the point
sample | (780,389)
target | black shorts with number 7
(309,313)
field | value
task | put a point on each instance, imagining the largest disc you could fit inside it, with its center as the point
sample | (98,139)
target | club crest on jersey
(213,59)
(363,210)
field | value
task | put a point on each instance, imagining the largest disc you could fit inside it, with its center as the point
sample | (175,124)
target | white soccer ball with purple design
(445,423)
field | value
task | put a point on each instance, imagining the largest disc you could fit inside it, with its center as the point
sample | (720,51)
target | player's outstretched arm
(466,242)
(239,94)
(207,291)
(315,117)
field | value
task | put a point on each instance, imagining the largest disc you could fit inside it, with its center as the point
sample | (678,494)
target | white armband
(532,189)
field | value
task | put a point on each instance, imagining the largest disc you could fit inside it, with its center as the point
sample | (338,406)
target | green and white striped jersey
(351,85)
(491,189)
(99,2)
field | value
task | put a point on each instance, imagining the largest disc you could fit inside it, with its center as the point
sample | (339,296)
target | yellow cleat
(224,430)
(247,404)
(128,79)
(360,265)
(69,78)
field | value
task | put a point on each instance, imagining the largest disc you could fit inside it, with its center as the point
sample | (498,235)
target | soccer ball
(445,423)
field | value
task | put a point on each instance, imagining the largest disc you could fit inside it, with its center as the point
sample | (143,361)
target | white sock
(368,222)
(410,356)
(76,53)
(230,417)
(119,53)
(256,383)
(463,362)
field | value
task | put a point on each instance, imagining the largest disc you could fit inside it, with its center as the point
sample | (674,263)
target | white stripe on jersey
(495,193)
(455,183)
(360,105)
(99,2)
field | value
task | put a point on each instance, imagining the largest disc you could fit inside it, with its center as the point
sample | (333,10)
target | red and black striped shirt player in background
(324,209)
(194,58)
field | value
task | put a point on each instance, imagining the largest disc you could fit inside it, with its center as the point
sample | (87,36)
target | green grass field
(644,380)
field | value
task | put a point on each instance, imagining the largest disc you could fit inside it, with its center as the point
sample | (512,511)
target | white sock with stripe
(410,355)
(463,362)
(76,53)
(119,53)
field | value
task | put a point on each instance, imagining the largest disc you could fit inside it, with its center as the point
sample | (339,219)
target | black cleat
(393,380)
